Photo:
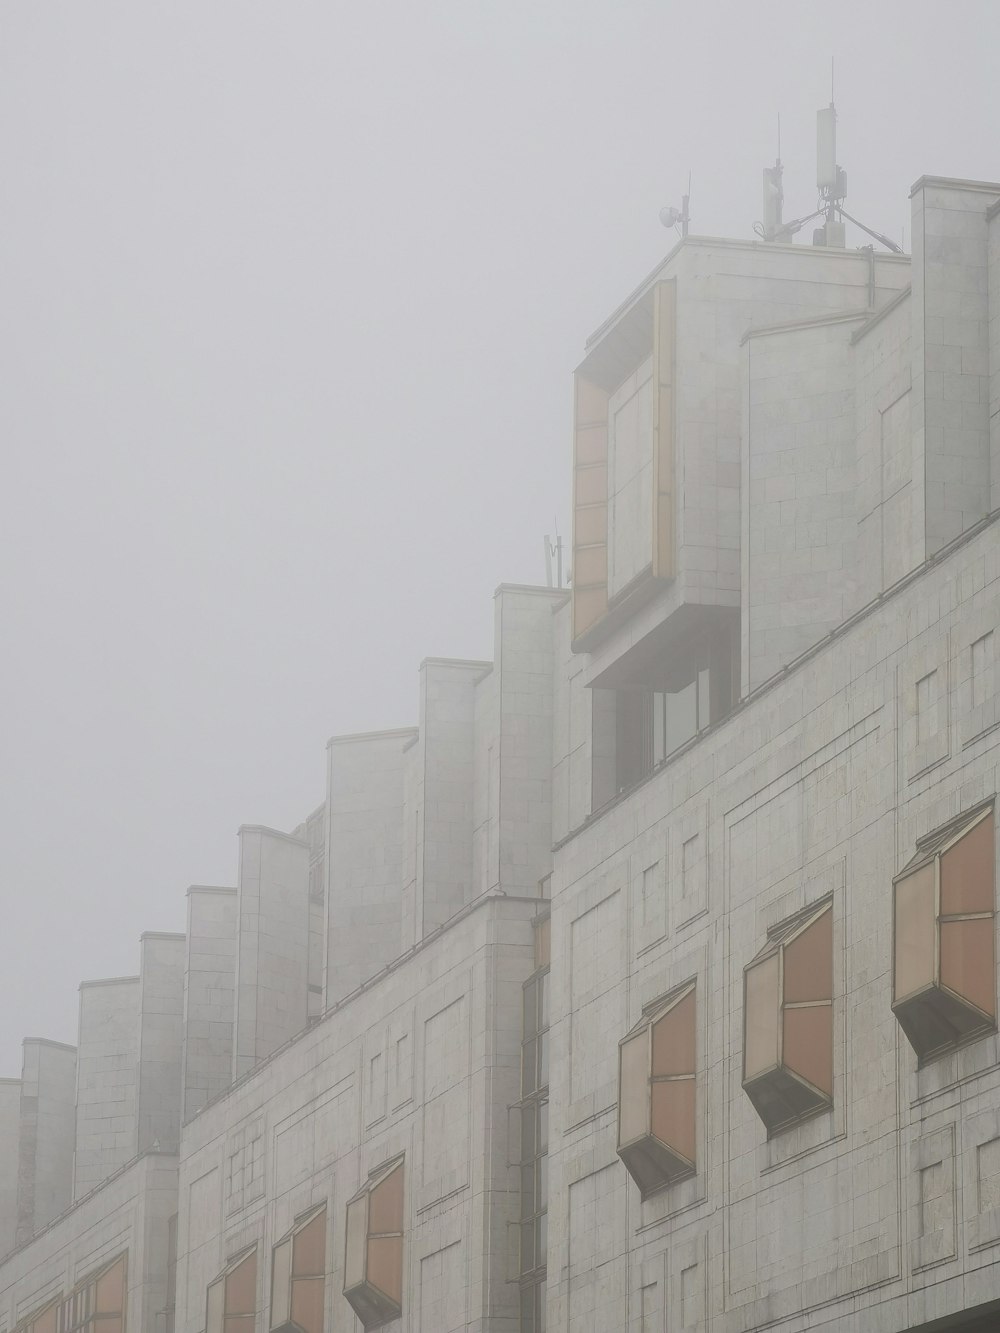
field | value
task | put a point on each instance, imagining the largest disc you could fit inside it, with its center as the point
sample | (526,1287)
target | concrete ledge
(272,833)
(110,981)
(955,183)
(350,738)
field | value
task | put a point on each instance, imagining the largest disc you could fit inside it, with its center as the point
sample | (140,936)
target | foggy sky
(290,295)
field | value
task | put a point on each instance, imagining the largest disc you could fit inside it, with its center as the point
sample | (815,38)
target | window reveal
(231,1305)
(944,952)
(788,1020)
(373,1256)
(656,1094)
(298,1276)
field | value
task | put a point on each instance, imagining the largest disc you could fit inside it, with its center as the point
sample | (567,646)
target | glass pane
(543,1127)
(760,1020)
(281,1265)
(808,1045)
(386,1211)
(111,1289)
(543,1185)
(530,1010)
(45,1323)
(673,1039)
(310,1248)
(673,1119)
(280,1289)
(542,1239)
(682,715)
(968,965)
(967,872)
(915,931)
(216,1307)
(704,698)
(543,1007)
(528,1128)
(528,1190)
(385,1265)
(659,743)
(633,1090)
(543,942)
(307,1303)
(809,962)
(357,1235)
(543,1060)
(529,1073)
(527,1246)
(540,1308)
(241,1287)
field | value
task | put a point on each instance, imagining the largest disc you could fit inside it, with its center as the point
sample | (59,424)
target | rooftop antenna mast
(554,548)
(831,183)
(674,217)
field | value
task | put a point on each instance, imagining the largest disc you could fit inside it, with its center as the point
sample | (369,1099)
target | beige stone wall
(130,1214)
(424,1061)
(820,785)
(209,995)
(106,1080)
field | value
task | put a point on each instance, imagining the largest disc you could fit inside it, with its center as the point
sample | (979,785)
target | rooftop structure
(650,981)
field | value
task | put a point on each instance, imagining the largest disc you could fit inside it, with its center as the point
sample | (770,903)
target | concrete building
(649,982)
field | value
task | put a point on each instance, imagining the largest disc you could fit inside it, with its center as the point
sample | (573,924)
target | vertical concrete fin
(46,1134)
(106,1080)
(209,995)
(161,1039)
(272,957)
(365,875)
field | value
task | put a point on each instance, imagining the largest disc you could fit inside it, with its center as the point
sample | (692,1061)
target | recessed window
(981,660)
(231,1306)
(42,1321)
(542,931)
(298,1276)
(927,712)
(788,1020)
(944,953)
(373,1257)
(656,1094)
(97,1305)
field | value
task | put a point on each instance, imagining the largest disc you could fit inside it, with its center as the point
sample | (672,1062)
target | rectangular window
(689,859)
(927,709)
(650,893)
(981,655)
(231,1302)
(788,1020)
(637,727)
(96,1305)
(298,1275)
(373,1253)
(657,1128)
(402,1060)
(944,954)
(44,1321)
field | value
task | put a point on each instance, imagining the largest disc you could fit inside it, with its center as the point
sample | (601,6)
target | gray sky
(290,294)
